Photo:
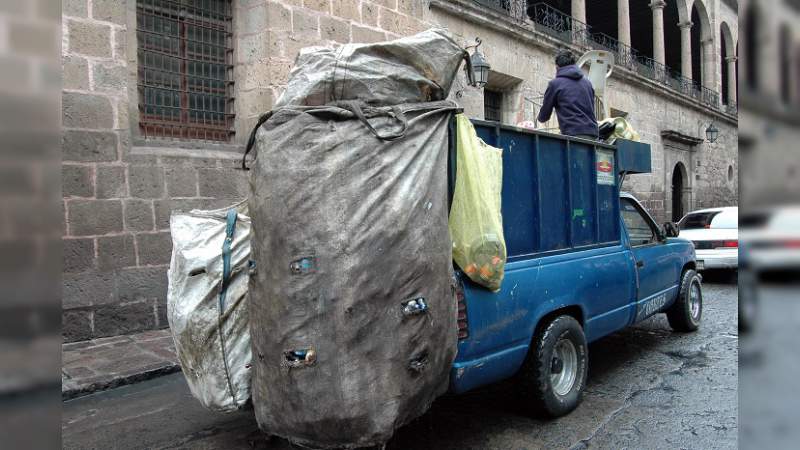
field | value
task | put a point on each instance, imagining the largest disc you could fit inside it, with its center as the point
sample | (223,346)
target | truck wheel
(685,313)
(553,377)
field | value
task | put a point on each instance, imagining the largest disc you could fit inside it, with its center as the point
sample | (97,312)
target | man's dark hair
(564,57)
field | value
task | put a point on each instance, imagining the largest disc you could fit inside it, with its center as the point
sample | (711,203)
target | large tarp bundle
(353,313)
(418,68)
(207,303)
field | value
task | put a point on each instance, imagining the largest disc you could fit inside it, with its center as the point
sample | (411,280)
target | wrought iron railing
(555,23)
(515,9)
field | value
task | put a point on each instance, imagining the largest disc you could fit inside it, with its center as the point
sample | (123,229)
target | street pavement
(648,388)
(769,364)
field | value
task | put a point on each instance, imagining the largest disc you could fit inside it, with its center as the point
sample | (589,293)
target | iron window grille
(492,105)
(185,69)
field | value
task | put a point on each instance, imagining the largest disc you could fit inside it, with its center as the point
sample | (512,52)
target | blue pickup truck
(584,260)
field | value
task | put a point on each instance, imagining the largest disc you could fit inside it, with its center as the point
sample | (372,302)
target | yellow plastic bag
(476,223)
(622,129)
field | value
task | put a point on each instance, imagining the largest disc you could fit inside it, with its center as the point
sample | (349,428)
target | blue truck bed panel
(561,221)
(555,194)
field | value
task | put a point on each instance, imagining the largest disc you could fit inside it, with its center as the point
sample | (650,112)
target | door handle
(639,263)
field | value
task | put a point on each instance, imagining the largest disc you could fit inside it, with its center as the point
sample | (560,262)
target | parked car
(584,261)
(715,235)
(770,243)
(773,238)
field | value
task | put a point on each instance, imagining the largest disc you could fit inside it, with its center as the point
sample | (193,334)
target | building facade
(159,97)
(770,99)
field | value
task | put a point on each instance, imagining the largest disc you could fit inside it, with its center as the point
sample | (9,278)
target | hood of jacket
(571,71)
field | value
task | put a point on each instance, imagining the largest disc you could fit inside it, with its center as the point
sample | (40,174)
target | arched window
(672,36)
(751,20)
(602,17)
(697,46)
(724,72)
(727,49)
(785,40)
(641,20)
(702,33)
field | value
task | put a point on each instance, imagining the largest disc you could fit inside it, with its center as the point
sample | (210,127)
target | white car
(715,235)
(771,238)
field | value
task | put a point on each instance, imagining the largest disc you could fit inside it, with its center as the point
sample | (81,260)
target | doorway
(678,187)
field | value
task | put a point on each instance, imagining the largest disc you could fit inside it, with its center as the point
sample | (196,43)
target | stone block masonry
(120,189)
(118,193)
(271,33)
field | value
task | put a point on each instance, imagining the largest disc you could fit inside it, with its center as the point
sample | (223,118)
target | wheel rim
(563,367)
(695,299)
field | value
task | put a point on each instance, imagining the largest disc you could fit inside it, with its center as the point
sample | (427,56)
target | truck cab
(584,260)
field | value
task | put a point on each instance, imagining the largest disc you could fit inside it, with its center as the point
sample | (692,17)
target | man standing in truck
(572,96)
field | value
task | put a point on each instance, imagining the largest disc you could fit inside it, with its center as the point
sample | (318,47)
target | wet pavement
(648,388)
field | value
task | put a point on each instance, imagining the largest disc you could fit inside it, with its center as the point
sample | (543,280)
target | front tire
(685,314)
(553,377)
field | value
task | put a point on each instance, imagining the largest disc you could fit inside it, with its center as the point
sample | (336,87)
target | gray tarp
(418,68)
(353,315)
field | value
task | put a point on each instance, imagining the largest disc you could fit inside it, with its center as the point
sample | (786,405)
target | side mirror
(671,230)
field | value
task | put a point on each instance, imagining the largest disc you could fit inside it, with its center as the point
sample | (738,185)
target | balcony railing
(564,27)
(513,8)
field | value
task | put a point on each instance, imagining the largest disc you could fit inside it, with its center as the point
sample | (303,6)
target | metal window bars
(185,69)
(553,22)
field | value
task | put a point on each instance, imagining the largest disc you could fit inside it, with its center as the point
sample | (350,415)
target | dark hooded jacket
(572,96)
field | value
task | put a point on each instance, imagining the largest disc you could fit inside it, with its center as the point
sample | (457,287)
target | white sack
(195,280)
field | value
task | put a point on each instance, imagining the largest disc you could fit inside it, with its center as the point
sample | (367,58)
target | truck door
(654,280)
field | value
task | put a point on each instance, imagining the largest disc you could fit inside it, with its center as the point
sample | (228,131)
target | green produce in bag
(476,223)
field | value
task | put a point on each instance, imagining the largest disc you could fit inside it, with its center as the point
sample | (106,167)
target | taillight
(792,243)
(463,330)
(730,244)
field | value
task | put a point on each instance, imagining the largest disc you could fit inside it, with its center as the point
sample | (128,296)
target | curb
(111,383)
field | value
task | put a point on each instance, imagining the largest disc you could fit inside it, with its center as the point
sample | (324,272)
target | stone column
(708,65)
(686,49)
(624,22)
(658,30)
(731,60)
(579,10)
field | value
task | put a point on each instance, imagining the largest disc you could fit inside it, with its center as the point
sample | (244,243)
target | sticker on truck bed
(605,167)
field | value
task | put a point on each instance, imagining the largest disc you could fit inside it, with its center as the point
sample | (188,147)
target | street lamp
(478,69)
(712,133)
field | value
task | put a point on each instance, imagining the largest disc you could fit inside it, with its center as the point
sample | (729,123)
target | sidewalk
(106,363)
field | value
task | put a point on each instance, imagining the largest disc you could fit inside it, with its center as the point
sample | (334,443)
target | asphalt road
(648,388)
(769,364)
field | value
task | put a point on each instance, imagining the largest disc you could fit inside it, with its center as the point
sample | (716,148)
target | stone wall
(119,189)
(516,50)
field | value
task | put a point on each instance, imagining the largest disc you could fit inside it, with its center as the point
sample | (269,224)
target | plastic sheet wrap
(211,332)
(354,329)
(418,68)
(476,222)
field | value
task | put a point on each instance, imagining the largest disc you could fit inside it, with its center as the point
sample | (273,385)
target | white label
(605,167)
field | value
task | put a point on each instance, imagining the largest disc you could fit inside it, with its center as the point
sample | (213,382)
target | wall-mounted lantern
(712,133)
(478,69)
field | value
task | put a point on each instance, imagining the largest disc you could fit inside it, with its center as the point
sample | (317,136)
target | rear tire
(553,376)
(687,311)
